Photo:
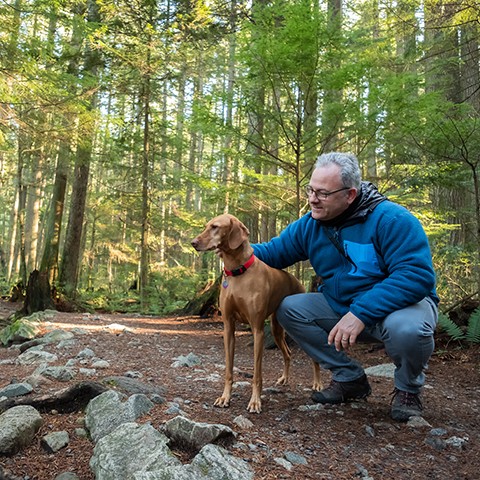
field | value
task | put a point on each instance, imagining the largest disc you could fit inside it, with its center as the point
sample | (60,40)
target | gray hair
(349,168)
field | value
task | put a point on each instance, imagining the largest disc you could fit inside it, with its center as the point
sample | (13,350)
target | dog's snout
(194,243)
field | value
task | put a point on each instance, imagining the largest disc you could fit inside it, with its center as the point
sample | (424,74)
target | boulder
(131,449)
(18,427)
(187,433)
(107,411)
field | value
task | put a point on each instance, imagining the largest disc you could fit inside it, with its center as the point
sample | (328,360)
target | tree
(71,258)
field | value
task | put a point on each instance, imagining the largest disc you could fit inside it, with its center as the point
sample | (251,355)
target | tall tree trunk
(145,220)
(470,65)
(49,263)
(54,220)
(32,207)
(227,143)
(71,258)
(332,114)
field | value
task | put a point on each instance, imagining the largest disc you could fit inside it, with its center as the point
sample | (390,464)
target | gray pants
(407,335)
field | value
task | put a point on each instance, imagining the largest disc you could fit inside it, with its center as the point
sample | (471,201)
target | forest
(126,125)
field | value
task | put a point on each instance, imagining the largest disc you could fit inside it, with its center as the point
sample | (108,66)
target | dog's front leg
(229,346)
(255,404)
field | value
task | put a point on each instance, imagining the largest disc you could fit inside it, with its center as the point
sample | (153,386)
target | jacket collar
(367,199)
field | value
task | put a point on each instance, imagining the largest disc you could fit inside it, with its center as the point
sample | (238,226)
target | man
(378,281)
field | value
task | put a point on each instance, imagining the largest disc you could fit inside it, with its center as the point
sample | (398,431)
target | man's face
(324,180)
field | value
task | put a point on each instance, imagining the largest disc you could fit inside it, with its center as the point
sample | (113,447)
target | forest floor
(350,441)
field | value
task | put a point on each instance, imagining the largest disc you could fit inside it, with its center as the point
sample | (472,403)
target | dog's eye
(213,227)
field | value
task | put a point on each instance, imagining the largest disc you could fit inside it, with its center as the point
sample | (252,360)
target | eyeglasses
(321,195)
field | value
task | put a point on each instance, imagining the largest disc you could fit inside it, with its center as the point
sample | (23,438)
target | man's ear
(352,195)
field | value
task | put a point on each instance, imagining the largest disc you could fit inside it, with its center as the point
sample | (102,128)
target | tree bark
(71,258)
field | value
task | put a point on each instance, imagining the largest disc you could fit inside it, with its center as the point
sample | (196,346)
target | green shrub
(472,332)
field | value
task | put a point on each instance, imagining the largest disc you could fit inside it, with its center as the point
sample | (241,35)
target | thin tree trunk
(228,174)
(144,243)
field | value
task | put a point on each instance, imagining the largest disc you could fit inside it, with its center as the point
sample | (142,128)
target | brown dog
(251,291)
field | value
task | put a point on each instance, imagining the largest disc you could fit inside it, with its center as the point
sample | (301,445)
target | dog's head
(224,232)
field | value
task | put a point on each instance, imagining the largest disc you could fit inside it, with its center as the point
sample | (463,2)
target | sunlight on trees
(124,126)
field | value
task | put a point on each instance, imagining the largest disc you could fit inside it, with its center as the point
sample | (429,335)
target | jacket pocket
(364,259)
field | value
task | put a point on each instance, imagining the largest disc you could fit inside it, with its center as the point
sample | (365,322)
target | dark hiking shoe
(405,405)
(339,392)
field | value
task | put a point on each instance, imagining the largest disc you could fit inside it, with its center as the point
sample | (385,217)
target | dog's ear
(238,234)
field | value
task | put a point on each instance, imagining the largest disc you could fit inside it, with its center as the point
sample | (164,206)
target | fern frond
(450,327)
(473,328)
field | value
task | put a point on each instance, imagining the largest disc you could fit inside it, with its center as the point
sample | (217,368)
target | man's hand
(346,331)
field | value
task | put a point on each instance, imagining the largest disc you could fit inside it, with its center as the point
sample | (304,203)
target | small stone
(284,463)
(457,442)
(418,422)
(242,422)
(295,458)
(55,441)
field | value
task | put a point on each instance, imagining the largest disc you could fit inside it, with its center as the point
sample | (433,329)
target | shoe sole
(343,400)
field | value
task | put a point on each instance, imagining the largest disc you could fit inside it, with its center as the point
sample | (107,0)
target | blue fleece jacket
(382,261)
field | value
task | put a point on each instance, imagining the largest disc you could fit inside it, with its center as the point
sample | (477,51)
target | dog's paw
(283,380)
(317,386)
(222,402)
(255,406)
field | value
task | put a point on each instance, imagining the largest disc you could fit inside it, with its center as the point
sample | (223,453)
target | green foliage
(19,328)
(169,291)
(452,264)
(455,332)
(450,327)
(473,329)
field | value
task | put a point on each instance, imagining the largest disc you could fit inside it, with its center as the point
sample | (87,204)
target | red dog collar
(241,269)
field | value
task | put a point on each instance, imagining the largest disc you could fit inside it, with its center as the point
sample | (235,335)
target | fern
(20,328)
(473,329)
(450,327)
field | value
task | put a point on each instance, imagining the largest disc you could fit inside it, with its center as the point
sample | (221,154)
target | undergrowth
(469,334)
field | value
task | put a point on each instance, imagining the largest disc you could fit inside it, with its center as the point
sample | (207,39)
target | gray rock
(101,364)
(295,458)
(26,328)
(31,357)
(67,344)
(62,374)
(385,370)
(86,353)
(243,422)
(284,463)
(191,360)
(215,463)
(57,335)
(18,427)
(436,443)
(186,432)
(174,409)
(15,390)
(106,412)
(130,450)
(418,422)
(81,432)
(67,476)
(55,441)
(457,442)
